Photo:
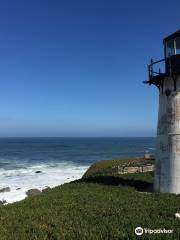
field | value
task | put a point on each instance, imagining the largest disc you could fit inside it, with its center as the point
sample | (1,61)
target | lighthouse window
(170,48)
(177,45)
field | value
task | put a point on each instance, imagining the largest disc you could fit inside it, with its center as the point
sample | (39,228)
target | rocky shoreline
(28,193)
(120,167)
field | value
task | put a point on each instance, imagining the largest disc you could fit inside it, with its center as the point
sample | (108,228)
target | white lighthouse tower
(167,163)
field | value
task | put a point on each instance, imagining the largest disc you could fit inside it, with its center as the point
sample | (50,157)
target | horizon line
(77,137)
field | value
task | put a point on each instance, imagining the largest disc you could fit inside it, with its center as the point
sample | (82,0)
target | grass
(96,207)
(108,167)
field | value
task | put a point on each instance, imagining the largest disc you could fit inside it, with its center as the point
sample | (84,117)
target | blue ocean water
(27,163)
(15,152)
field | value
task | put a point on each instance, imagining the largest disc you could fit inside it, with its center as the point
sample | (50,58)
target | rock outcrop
(5,189)
(124,170)
(33,192)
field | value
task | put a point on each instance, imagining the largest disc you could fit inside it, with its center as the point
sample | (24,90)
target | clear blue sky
(75,67)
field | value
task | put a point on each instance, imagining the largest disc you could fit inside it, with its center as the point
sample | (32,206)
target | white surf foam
(23,179)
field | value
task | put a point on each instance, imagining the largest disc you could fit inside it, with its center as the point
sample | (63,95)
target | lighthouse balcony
(156,75)
(170,65)
(167,67)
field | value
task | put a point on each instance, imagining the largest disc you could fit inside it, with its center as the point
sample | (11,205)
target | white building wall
(167,170)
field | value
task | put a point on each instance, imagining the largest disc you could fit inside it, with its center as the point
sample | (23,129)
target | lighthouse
(165,75)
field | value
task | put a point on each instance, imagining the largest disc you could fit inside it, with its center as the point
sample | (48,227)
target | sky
(74,68)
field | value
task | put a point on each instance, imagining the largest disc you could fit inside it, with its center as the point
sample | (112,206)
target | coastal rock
(33,192)
(2,202)
(5,189)
(46,189)
(124,170)
(38,171)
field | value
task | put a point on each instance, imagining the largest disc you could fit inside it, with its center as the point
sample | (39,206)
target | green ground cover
(96,207)
(108,167)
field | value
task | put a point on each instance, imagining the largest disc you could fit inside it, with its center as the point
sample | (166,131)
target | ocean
(27,163)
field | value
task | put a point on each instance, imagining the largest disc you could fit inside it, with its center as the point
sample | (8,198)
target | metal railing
(152,72)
